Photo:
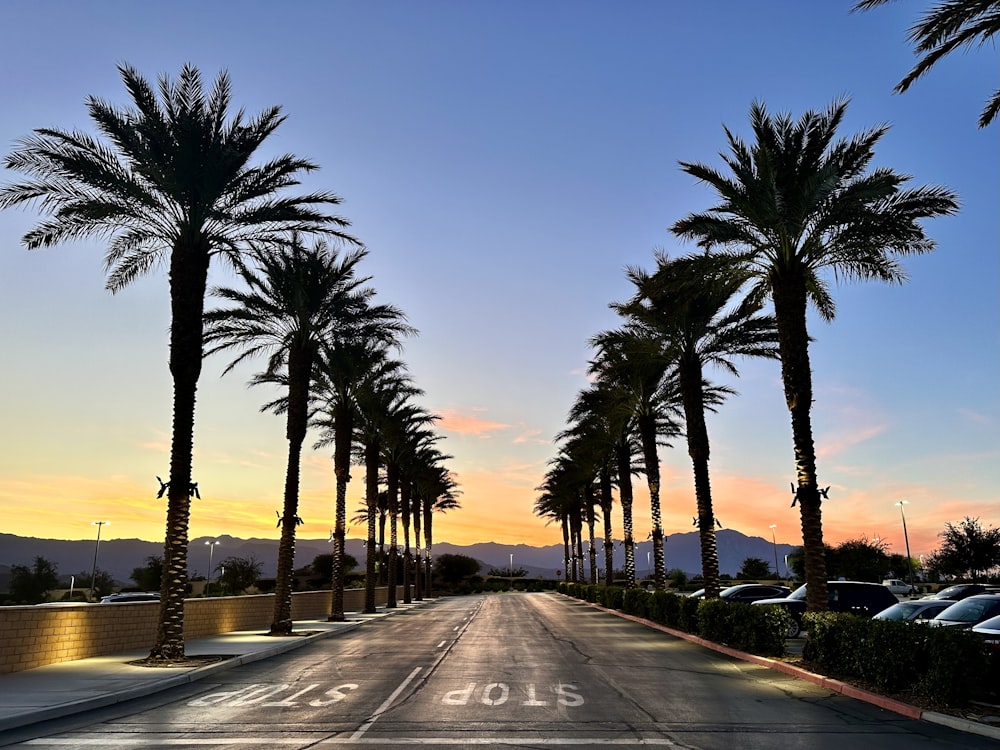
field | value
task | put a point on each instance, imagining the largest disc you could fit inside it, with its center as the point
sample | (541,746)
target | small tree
(102,585)
(754,567)
(967,549)
(677,577)
(31,585)
(859,560)
(453,568)
(240,573)
(322,565)
(150,576)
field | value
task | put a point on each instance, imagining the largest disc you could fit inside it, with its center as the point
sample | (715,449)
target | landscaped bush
(946,665)
(756,630)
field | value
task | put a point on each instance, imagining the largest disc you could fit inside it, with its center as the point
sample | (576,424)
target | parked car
(751,592)
(858,597)
(914,611)
(131,596)
(989,631)
(960,591)
(969,612)
(747,593)
(899,587)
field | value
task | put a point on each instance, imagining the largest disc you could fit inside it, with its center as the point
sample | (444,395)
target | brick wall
(35,636)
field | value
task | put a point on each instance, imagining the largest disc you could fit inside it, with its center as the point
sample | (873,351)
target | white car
(899,587)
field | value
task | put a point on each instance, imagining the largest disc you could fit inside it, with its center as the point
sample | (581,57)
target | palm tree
(351,365)
(375,398)
(296,299)
(445,498)
(687,305)
(172,181)
(947,26)
(633,361)
(608,406)
(800,202)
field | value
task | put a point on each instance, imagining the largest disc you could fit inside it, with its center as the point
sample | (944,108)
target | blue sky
(503,163)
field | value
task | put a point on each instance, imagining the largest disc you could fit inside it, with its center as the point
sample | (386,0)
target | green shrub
(756,630)
(687,619)
(956,666)
(665,608)
(636,602)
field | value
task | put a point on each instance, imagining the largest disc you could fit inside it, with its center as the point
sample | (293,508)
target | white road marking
(275,741)
(385,705)
(441,644)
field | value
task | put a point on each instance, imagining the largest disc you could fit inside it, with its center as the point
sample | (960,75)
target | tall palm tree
(351,365)
(633,361)
(169,180)
(944,28)
(294,300)
(445,498)
(801,202)
(414,454)
(375,399)
(689,306)
(402,436)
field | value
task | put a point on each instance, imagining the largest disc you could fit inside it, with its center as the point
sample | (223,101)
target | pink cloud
(469,424)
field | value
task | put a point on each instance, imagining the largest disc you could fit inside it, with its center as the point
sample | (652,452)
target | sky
(504,162)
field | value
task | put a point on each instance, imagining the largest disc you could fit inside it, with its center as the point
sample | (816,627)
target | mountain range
(120,556)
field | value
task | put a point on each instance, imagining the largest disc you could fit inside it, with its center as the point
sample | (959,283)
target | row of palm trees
(796,204)
(169,180)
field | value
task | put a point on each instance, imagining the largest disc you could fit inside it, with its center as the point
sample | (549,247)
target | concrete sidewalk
(71,687)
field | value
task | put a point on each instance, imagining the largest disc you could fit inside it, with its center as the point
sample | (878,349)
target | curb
(837,686)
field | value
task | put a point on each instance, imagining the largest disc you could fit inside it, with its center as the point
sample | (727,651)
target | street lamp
(909,562)
(93,570)
(211,551)
(774,542)
(511,571)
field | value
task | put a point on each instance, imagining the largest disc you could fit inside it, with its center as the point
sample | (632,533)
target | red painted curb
(837,686)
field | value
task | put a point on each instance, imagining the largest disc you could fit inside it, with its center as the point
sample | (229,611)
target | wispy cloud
(463,423)
(976,417)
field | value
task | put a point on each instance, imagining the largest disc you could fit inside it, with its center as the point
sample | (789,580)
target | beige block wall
(35,636)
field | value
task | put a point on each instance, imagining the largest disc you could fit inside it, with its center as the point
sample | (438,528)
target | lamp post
(211,551)
(511,571)
(906,538)
(93,570)
(774,543)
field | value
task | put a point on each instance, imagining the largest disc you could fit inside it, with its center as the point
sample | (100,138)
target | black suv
(857,597)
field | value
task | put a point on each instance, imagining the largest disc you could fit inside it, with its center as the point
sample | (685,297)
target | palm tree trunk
(647,433)
(591,520)
(428,562)
(404,499)
(299,366)
(392,487)
(789,295)
(693,398)
(371,500)
(418,577)
(567,563)
(342,438)
(188,280)
(609,542)
(625,498)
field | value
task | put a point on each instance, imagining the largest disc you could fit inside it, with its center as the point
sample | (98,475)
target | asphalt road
(509,670)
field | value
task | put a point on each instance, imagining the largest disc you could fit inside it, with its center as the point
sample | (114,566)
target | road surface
(500,671)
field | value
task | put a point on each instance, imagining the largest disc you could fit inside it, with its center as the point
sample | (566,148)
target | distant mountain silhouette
(120,556)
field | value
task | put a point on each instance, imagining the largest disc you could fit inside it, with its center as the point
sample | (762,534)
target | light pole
(774,542)
(211,551)
(93,570)
(906,538)
(511,571)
